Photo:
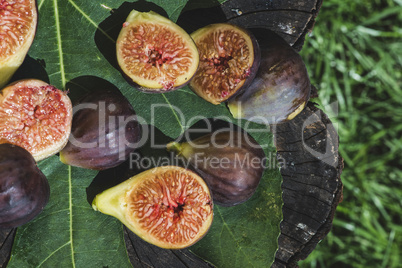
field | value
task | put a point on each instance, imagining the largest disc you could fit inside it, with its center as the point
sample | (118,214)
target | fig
(229,60)
(24,189)
(18,20)
(104,131)
(170,207)
(36,116)
(154,53)
(281,88)
(231,162)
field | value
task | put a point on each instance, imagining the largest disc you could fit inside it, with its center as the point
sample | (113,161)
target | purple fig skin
(230,162)
(24,189)
(218,93)
(281,88)
(104,131)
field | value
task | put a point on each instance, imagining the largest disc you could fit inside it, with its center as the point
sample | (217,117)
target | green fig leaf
(74,46)
(68,233)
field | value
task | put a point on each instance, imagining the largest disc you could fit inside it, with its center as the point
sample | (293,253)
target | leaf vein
(174,113)
(88,18)
(70,199)
(59,46)
(52,253)
(50,214)
(41,4)
(225,225)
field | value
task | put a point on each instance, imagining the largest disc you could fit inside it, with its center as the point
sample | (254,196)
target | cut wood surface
(311,186)
(6,243)
(308,144)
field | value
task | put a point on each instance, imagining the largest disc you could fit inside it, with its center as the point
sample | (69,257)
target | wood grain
(311,186)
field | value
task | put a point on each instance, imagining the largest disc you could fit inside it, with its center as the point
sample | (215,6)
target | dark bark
(311,186)
(292,20)
(145,255)
(6,243)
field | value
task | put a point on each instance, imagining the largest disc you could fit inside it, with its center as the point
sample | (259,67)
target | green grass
(354,57)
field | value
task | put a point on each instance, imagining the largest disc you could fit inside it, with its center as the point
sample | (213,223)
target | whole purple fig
(104,131)
(24,189)
(281,87)
(231,162)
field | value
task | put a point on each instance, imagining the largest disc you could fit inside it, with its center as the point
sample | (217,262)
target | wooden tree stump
(6,242)
(308,145)
(312,187)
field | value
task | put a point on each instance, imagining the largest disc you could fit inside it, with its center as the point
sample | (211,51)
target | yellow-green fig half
(18,21)
(170,207)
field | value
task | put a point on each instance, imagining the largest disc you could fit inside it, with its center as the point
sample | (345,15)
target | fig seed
(155,54)
(18,21)
(36,116)
(229,60)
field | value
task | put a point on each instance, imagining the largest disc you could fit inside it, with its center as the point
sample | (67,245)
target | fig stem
(235,109)
(62,158)
(175,147)
(297,111)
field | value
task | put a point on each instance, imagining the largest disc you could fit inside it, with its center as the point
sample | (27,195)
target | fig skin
(231,162)
(13,52)
(223,70)
(36,116)
(152,61)
(104,131)
(170,207)
(281,89)
(24,189)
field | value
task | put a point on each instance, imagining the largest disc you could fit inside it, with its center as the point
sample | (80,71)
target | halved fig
(104,132)
(170,207)
(18,20)
(229,60)
(154,53)
(35,116)
(281,88)
(231,162)
(24,189)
